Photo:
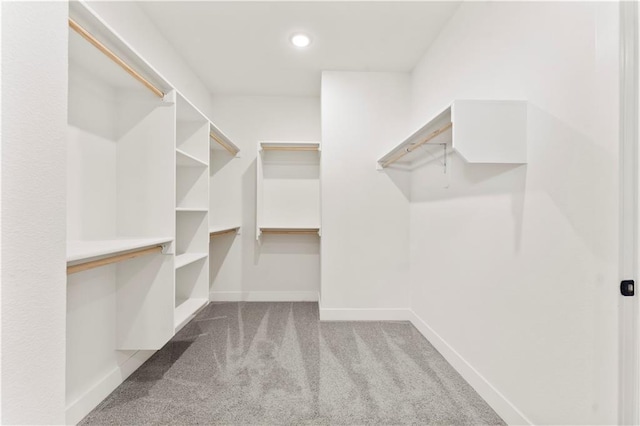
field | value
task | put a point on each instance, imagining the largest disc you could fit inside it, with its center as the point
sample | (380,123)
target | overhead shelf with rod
(481,131)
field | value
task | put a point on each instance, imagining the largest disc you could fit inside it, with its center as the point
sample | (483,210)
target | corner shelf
(481,131)
(221,141)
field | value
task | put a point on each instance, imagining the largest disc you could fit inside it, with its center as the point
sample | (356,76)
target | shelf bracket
(166,248)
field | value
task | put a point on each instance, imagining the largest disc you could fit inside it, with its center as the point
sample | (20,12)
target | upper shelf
(481,131)
(84,250)
(96,48)
(221,141)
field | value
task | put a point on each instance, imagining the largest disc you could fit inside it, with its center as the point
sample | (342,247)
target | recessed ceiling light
(300,40)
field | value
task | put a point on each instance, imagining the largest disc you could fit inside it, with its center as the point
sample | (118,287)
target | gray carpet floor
(276,363)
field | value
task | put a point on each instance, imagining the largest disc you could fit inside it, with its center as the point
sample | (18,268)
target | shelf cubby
(192,290)
(191,231)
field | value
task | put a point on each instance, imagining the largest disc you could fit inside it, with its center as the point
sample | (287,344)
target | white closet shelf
(290,146)
(186,160)
(98,49)
(290,230)
(78,250)
(221,230)
(221,141)
(481,131)
(188,258)
(186,309)
(191,210)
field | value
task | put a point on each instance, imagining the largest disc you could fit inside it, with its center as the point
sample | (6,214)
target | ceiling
(243,47)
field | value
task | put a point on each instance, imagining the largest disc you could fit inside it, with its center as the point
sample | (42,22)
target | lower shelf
(214,231)
(185,310)
(291,231)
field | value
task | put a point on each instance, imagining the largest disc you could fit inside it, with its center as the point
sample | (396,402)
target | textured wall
(34,116)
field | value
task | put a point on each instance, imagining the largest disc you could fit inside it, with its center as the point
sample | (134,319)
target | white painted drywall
(133,25)
(34,110)
(283,267)
(365,240)
(516,267)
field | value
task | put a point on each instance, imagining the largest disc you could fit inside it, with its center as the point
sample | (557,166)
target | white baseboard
(263,296)
(486,390)
(331,314)
(78,409)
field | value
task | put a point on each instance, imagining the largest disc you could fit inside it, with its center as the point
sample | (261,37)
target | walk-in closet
(319,213)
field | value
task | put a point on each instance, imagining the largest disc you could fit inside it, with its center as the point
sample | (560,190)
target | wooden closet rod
(112,259)
(417,145)
(115,58)
(223,144)
(226,231)
(311,231)
(290,148)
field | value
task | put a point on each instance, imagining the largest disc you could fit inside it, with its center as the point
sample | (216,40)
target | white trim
(629,371)
(78,409)
(341,314)
(485,389)
(263,296)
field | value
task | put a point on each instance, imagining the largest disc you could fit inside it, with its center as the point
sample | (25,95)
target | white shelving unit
(119,130)
(120,200)
(481,131)
(225,203)
(222,209)
(288,188)
(137,208)
(192,204)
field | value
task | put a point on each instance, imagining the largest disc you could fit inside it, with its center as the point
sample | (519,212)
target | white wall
(283,267)
(132,24)
(365,240)
(516,267)
(34,108)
